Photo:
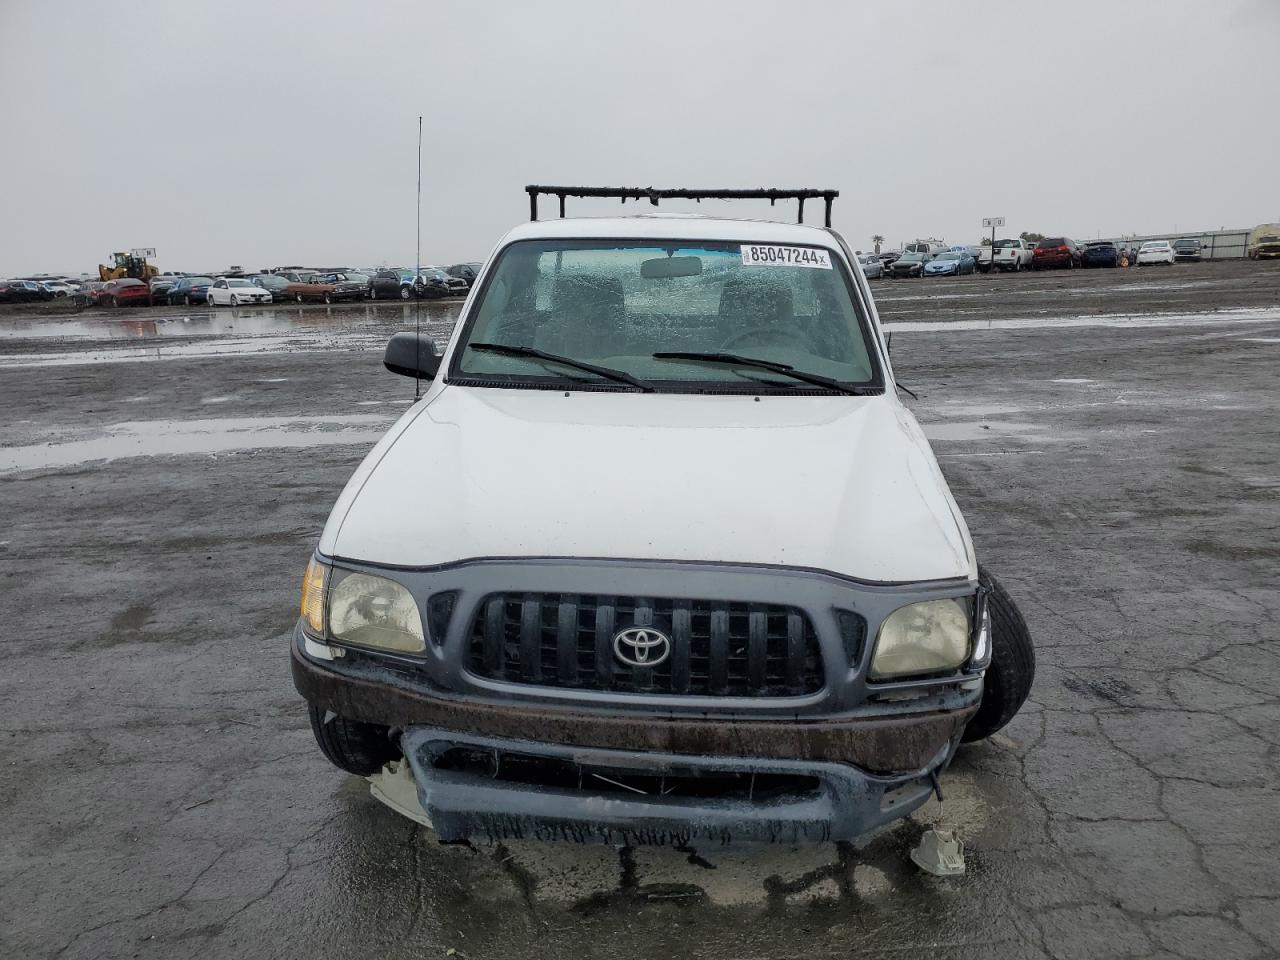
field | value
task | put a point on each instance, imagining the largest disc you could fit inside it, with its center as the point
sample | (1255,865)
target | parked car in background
(1055,252)
(189,291)
(1155,251)
(346,285)
(888,256)
(456,286)
(952,262)
(1011,253)
(160,286)
(434,283)
(23,291)
(299,276)
(87,294)
(464,271)
(274,284)
(910,264)
(1188,248)
(392,283)
(1100,253)
(328,288)
(58,288)
(236,292)
(126,292)
(925,246)
(1264,242)
(871,266)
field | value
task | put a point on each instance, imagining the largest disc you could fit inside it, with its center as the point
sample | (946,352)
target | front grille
(718,648)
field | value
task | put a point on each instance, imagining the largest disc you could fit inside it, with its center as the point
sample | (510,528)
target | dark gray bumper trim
(850,801)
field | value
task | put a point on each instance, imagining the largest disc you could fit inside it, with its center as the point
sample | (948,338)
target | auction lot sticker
(769,255)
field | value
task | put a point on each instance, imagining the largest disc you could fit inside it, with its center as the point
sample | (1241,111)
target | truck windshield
(617,303)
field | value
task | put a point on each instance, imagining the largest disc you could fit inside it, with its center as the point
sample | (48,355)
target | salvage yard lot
(1112,439)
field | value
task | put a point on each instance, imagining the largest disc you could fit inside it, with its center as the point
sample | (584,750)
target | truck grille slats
(717,648)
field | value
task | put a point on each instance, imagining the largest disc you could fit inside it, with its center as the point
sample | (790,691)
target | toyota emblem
(641,646)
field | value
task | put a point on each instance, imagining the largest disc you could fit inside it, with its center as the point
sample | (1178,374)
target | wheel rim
(235,301)
(187,300)
(404,293)
(373,293)
(328,298)
(298,297)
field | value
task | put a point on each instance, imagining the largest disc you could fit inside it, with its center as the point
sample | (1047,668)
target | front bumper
(830,801)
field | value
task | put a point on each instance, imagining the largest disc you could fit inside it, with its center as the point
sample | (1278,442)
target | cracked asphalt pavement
(164,475)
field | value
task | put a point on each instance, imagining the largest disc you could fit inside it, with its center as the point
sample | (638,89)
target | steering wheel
(777,335)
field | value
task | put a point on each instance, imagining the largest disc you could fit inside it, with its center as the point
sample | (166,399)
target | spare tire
(350,745)
(1013,663)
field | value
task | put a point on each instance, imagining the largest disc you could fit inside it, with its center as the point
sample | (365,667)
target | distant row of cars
(928,258)
(297,284)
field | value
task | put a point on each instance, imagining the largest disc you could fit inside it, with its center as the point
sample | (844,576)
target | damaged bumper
(483,787)
(527,770)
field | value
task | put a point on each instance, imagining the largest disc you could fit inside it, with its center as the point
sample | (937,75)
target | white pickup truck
(1012,255)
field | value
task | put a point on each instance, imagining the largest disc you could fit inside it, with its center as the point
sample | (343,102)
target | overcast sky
(270,133)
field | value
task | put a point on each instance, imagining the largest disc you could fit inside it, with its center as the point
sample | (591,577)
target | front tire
(373,293)
(298,297)
(235,301)
(1013,663)
(187,300)
(350,745)
(405,293)
(328,298)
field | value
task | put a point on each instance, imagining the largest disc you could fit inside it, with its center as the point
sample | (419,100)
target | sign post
(993,222)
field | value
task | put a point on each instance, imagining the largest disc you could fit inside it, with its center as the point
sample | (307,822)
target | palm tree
(877,240)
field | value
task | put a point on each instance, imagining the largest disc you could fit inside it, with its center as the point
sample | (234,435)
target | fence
(1214,244)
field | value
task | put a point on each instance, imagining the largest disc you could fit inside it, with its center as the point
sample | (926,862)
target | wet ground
(163,476)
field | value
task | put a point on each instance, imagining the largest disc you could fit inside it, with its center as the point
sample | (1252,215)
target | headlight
(927,637)
(374,612)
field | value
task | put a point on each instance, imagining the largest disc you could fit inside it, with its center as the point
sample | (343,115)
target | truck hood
(843,484)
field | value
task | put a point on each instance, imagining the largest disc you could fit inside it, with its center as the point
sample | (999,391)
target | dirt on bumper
(887,745)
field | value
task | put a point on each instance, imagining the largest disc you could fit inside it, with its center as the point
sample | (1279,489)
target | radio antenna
(417,278)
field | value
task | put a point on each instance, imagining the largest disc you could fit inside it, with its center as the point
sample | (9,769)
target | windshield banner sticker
(768,255)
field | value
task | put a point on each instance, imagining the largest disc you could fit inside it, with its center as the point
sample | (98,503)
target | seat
(754,303)
(588,314)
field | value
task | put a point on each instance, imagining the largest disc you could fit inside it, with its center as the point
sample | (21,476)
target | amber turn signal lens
(313,597)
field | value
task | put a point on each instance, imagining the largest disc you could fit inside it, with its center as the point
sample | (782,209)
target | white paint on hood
(845,484)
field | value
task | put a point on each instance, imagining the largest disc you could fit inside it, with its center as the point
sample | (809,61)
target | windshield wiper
(618,376)
(771,365)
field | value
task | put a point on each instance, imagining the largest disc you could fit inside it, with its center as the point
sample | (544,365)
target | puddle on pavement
(969,430)
(1119,320)
(157,438)
(166,322)
(1039,291)
(978,410)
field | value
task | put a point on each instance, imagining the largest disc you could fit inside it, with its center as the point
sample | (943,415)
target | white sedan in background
(871,266)
(59,288)
(1155,251)
(235,291)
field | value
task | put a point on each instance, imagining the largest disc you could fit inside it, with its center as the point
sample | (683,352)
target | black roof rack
(653,195)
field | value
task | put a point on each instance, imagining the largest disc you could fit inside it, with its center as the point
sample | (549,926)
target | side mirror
(411,355)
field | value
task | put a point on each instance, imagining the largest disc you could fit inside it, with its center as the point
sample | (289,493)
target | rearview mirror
(411,355)
(664,268)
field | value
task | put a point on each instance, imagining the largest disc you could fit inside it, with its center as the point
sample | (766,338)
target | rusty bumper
(876,744)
